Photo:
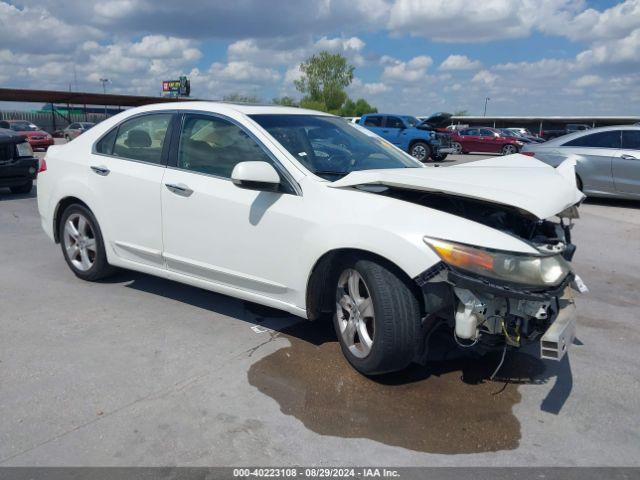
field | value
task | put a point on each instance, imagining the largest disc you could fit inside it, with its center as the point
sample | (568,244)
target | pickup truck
(18,167)
(418,138)
(570,128)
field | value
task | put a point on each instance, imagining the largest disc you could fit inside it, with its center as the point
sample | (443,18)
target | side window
(471,131)
(105,145)
(610,139)
(214,146)
(142,138)
(375,121)
(631,139)
(486,133)
(73,126)
(394,122)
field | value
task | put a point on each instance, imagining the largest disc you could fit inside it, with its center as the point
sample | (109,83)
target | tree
(363,107)
(285,101)
(356,109)
(324,79)
(241,98)
(460,113)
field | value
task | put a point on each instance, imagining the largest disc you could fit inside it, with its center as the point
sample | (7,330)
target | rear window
(631,139)
(610,139)
(373,121)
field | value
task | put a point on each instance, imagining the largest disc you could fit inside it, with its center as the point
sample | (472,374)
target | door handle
(179,189)
(100,170)
(626,156)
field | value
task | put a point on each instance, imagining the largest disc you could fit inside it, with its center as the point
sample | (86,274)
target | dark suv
(18,167)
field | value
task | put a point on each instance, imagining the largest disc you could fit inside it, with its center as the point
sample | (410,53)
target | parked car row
(39,138)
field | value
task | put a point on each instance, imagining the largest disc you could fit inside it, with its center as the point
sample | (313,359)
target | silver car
(76,129)
(608,159)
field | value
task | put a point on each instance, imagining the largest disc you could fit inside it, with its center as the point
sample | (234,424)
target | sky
(529,57)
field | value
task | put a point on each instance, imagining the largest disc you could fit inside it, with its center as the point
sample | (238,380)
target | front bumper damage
(485,315)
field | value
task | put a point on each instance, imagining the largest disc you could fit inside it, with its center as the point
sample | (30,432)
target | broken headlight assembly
(523,269)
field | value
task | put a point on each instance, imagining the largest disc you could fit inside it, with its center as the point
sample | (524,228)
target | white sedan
(302,211)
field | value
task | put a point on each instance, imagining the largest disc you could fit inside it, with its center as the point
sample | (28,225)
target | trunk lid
(516,180)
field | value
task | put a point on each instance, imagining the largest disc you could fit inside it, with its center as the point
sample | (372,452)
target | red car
(36,137)
(484,139)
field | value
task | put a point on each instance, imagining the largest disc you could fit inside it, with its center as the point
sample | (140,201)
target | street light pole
(104,82)
(486,99)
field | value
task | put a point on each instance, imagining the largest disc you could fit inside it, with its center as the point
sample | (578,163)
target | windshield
(23,127)
(331,147)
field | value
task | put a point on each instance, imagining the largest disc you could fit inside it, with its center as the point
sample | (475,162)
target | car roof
(564,138)
(222,107)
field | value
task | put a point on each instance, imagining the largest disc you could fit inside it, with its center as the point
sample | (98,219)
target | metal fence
(51,122)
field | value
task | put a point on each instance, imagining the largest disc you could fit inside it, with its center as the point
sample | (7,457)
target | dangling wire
(504,351)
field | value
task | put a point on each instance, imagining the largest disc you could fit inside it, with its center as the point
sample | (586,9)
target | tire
(420,151)
(88,241)
(458,148)
(22,189)
(509,149)
(389,316)
(440,158)
(66,137)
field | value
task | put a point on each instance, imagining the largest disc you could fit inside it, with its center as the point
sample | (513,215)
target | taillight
(43,166)
(529,154)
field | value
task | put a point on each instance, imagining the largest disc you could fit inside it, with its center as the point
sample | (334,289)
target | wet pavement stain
(447,407)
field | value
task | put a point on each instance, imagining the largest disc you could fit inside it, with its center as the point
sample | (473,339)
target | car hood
(515,180)
(437,120)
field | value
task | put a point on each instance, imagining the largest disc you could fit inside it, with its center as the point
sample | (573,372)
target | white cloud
(459,62)
(588,81)
(485,77)
(414,70)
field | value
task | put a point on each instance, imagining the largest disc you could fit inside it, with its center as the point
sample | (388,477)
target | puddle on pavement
(447,407)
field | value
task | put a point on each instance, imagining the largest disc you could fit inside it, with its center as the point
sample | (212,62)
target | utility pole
(104,82)
(486,99)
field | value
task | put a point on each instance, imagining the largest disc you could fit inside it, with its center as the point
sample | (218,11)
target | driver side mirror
(256,176)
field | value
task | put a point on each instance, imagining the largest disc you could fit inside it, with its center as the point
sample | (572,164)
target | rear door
(395,131)
(125,171)
(626,163)
(595,153)
(374,123)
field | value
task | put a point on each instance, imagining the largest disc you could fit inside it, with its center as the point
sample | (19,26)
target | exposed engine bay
(484,314)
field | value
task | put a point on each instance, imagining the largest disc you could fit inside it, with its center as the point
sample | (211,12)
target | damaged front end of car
(492,298)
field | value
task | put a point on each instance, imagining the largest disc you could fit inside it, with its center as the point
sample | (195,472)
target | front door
(217,231)
(626,163)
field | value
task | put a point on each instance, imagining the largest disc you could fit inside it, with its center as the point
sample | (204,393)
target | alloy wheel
(457,147)
(355,313)
(79,242)
(419,152)
(508,149)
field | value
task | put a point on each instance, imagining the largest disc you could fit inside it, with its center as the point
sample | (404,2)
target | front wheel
(457,147)
(509,149)
(22,189)
(377,317)
(420,151)
(440,158)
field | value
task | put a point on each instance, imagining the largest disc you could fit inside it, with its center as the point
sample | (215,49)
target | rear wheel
(509,149)
(377,317)
(26,188)
(420,151)
(82,244)
(440,158)
(457,148)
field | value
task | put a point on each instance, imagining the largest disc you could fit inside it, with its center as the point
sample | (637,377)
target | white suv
(305,212)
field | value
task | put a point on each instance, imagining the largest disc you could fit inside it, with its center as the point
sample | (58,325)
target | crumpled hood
(516,180)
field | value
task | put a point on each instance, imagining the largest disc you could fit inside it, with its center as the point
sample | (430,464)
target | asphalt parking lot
(139,370)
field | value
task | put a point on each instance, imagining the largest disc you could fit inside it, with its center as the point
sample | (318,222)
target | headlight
(532,270)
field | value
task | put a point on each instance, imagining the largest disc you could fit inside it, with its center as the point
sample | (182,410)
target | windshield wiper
(329,172)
